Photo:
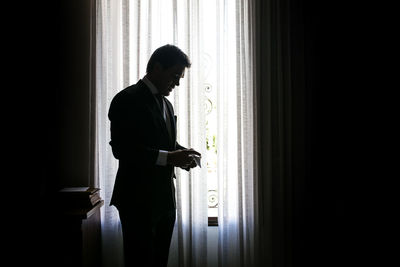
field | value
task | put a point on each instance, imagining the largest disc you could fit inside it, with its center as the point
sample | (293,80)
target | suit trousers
(146,244)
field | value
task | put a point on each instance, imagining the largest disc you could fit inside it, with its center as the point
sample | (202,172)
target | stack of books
(79,197)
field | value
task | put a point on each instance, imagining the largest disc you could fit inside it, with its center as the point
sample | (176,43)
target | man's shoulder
(130,93)
(136,89)
(127,99)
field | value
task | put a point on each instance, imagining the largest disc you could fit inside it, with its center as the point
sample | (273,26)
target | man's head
(166,67)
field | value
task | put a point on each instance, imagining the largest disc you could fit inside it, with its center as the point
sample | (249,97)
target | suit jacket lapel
(169,109)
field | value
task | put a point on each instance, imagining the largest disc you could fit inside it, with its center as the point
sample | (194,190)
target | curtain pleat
(110,76)
(273,105)
(235,132)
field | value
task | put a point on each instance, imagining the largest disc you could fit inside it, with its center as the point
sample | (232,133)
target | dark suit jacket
(138,132)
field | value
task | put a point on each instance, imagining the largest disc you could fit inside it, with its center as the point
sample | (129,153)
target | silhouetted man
(143,139)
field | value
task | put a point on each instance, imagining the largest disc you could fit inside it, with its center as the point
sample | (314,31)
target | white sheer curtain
(108,82)
(127,33)
(236,134)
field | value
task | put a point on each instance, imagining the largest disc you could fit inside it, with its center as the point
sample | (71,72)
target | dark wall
(55,135)
(63,101)
(75,92)
(47,103)
(319,177)
(335,204)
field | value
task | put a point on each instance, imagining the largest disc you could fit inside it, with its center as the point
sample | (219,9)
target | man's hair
(168,56)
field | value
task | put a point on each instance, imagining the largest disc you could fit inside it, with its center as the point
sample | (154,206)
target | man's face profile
(169,78)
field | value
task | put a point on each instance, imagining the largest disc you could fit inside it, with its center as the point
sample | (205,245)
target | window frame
(213,221)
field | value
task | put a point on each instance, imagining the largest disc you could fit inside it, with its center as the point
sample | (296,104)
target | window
(129,31)
(210,75)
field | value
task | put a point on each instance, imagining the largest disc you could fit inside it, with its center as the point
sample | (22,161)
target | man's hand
(183,158)
(192,164)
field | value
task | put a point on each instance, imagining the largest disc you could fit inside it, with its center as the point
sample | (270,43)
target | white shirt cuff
(162,158)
